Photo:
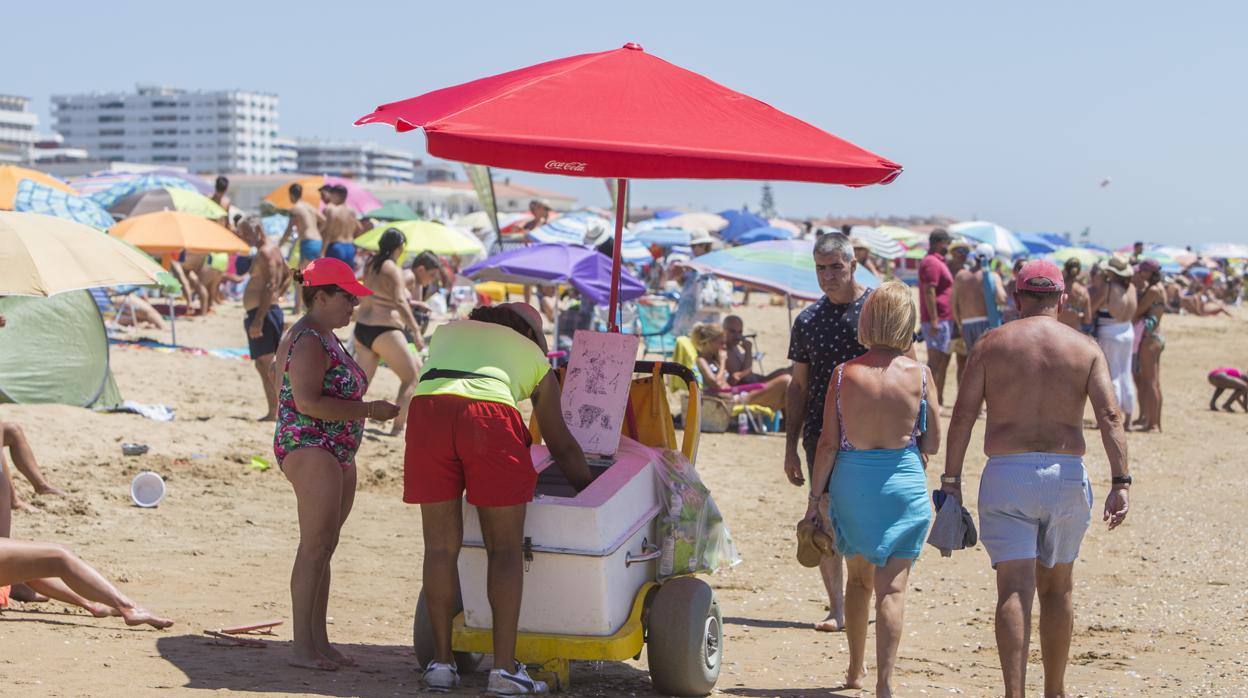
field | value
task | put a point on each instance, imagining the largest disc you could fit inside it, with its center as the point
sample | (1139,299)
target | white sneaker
(517,683)
(441,678)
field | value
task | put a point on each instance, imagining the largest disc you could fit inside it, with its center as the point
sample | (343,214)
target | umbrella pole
(555,323)
(788,304)
(621,197)
(173,320)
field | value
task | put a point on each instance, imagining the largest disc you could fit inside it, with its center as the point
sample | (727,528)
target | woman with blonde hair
(868,475)
(709,341)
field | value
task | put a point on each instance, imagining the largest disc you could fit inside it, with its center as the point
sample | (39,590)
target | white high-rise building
(208,132)
(17,129)
(364,161)
(285,155)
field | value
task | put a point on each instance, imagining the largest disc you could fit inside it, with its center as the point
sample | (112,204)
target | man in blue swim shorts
(306,222)
(341,226)
(1035,501)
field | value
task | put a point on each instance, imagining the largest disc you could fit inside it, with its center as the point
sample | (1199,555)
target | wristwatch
(1122,480)
(951,479)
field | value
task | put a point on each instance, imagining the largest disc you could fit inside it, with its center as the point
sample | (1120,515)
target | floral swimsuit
(344,380)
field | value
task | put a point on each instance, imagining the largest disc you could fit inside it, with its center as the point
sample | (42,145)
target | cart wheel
(685,638)
(422,639)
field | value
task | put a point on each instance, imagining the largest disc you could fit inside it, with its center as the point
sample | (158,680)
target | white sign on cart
(595,391)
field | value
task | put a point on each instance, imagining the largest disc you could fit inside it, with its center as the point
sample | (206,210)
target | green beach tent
(55,350)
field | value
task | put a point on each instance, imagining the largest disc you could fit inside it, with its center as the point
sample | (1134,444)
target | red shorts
(456,443)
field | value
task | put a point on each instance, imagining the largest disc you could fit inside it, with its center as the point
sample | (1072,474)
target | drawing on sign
(590,413)
(595,391)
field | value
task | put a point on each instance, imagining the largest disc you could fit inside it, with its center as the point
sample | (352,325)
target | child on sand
(1232,379)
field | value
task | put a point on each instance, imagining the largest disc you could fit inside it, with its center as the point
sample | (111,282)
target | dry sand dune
(1161,605)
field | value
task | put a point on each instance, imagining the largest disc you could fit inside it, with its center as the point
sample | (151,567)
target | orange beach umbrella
(173,231)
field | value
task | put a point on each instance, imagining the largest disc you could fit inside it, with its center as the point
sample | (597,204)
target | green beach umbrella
(167,199)
(393,211)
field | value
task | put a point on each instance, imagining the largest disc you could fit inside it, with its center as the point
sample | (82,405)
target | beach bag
(716,415)
(692,534)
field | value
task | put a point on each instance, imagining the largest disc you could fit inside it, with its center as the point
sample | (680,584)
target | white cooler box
(579,580)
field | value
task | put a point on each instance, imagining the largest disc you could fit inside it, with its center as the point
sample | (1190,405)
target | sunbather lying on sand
(51,569)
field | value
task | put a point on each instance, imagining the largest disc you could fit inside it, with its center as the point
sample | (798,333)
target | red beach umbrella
(627,114)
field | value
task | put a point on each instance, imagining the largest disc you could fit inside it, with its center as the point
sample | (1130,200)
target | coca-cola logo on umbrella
(565,166)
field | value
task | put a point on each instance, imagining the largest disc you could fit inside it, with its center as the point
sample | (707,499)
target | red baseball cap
(1040,276)
(328,271)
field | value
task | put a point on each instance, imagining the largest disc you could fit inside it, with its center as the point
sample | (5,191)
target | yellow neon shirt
(491,350)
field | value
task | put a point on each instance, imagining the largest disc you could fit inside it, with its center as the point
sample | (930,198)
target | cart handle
(644,556)
(693,417)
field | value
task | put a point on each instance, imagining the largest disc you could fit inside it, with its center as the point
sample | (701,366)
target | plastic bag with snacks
(693,535)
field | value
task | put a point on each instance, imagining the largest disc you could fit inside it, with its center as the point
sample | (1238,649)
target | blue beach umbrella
(141,183)
(33,197)
(764,233)
(740,223)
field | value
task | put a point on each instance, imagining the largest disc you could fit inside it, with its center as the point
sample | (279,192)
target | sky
(1010,112)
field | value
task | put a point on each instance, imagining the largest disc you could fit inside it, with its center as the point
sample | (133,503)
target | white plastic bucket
(147,489)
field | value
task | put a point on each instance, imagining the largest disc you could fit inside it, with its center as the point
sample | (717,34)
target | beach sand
(1160,603)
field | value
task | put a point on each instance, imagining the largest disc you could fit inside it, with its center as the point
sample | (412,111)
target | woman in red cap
(1148,342)
(320,423)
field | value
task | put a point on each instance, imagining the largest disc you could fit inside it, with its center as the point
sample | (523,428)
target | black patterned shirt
(824,336)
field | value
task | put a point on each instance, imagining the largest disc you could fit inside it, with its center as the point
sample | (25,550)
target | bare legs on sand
(392,347)
(888,583)
(503,531)
(830,570)
(52,569)
(325,492)
(12,436)
(1018,582)
(266,366)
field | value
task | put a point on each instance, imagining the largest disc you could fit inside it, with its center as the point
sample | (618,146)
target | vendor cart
(590,568)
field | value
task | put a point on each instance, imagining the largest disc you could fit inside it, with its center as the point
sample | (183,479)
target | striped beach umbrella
(107,190)
(781,266)
(167,199)
(881,245)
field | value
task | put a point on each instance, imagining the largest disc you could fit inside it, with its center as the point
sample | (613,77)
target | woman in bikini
(708,340)
(385,321)
(1149,342)
(320,423)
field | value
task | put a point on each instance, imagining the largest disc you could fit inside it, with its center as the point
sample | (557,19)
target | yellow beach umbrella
(425,236)
(173,231)
(44,255)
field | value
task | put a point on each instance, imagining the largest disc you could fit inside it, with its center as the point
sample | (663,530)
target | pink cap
(1040,276)
(328,271)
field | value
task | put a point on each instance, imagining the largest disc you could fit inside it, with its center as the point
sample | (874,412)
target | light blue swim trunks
(1034,505)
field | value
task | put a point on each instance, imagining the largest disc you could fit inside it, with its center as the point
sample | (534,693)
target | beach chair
(654,323)
(761,418)
(110,311)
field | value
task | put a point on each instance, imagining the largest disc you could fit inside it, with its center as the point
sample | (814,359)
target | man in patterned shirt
(824,336)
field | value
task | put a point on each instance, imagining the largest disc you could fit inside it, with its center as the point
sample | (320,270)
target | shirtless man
(739,355)
(341,227)
(264,321)
(219,195)
(973,286)
(1035,501)
(306,222)
(1076,312)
